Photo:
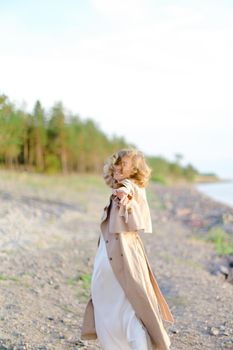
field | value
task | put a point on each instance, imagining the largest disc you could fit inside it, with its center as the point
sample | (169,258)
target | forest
(58,141)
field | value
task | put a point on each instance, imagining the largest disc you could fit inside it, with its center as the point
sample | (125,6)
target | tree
(11,132)
(40,135)
(58,135)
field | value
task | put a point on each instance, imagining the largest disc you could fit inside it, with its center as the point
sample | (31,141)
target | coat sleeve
(131,214)
(125,204)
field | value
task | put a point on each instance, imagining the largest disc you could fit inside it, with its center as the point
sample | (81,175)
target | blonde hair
(140,174)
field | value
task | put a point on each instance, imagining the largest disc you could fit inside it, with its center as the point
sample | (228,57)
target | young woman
(126,306)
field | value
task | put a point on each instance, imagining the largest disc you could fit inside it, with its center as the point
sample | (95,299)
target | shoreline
(204,217)
(217,192)
(192,186)
(213,182)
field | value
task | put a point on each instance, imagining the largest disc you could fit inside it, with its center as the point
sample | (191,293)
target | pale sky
(159,73)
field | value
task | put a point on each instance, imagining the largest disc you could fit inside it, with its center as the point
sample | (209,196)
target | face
(123,171)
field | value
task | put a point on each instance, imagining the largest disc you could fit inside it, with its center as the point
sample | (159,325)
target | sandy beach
(47,250)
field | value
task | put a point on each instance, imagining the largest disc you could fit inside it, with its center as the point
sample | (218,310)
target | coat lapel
(105,212)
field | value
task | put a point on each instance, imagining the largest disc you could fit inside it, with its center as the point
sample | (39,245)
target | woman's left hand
(123,195)
(119,193)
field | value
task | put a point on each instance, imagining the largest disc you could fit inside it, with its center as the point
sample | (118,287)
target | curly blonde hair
(140,174)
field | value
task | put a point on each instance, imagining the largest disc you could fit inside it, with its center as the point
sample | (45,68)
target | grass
(78,182)
(189,262)
(86,280)
(159,179)
(3,278)
(177,300)
(183,261)
(73,188)
(153,199)
(168,258)
(222,240)
(83,281)
(18,280)
(7,278)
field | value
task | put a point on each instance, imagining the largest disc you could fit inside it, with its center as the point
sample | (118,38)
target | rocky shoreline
(48,240)
(199,213)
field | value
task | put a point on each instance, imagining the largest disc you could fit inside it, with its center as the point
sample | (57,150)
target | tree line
(59,141)
(54,141)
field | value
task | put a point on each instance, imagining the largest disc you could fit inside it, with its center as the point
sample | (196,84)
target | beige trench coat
(130,264)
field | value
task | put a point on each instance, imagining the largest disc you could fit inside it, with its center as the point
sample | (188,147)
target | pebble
(214,331)
(50,318)
(2,347)
(228,344)
(174,330)
(226,333)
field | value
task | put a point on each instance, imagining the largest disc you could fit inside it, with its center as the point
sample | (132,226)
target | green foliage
(83,280)
(82,283)
(222,240)
(163,170)
(190,172)
(58,141)
(52,164)
(52,142)
(3,277)
(158,178)
(11,132)
(160,168)
(86,280)
(9,278)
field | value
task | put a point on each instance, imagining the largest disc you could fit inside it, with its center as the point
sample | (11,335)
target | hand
(125,199)
(123,195)
(119,193)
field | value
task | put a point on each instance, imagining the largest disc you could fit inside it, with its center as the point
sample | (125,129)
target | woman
(126,306)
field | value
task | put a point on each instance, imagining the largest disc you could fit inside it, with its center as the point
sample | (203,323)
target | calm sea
(222,192)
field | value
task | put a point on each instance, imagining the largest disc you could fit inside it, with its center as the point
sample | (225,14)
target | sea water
(222,191)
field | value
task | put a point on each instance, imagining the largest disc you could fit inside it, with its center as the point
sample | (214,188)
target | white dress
(117,326)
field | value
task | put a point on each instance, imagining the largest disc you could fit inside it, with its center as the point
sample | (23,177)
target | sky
(159,73)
